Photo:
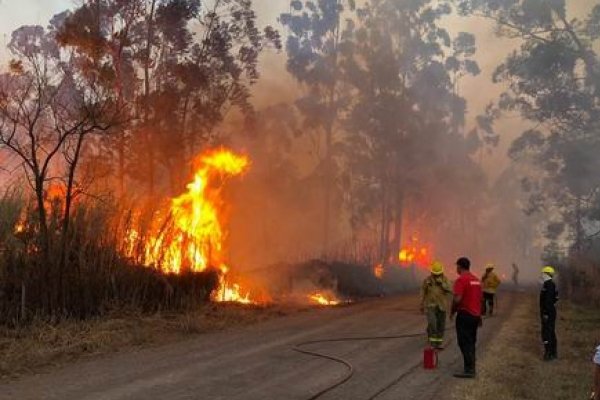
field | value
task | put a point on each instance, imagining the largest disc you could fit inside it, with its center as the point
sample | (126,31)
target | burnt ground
(258,362)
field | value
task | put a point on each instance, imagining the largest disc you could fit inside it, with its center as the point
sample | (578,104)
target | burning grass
(512,368)
(109,257)
(190,234)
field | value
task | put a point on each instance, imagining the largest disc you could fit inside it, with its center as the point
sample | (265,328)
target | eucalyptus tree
(406,118)
(314,41)
(553,82)
(182,65)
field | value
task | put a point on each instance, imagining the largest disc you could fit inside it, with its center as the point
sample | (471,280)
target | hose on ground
(349,368)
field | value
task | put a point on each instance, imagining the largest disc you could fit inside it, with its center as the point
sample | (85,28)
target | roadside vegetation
(41,345)
(512,368)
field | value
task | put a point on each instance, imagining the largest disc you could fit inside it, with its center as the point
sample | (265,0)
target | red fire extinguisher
(430,358)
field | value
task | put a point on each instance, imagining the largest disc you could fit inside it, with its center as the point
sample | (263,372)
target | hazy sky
(479,90)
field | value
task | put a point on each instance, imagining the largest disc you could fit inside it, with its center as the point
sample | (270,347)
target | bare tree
(48,108)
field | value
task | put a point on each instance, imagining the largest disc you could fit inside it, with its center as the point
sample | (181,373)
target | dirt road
(258,362)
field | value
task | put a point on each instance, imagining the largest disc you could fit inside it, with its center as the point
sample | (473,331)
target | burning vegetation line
(190,235)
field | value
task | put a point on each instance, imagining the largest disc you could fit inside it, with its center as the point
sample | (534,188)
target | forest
(142,165)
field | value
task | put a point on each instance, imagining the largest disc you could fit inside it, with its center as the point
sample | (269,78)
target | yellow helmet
(437,268)
(548,270)
(490,266)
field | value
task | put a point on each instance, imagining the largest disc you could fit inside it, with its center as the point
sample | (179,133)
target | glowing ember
(191,236)
(415,253)
(378,271)
(323,299)
(19,227)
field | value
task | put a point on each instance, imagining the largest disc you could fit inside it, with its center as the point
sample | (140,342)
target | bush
(95,276)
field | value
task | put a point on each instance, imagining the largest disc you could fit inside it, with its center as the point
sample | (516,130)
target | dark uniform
(548,299)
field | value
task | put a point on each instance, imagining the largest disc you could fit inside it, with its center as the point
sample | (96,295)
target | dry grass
(40,346)
(511,367)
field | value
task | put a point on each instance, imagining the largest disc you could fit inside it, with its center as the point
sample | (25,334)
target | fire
(191,236)
(415,253)
(378,271)
(19,227)
(323,299)
(232,293)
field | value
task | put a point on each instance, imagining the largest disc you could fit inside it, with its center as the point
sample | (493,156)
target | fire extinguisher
(430,358)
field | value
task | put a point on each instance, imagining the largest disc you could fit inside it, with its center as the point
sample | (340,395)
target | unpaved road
(258,362)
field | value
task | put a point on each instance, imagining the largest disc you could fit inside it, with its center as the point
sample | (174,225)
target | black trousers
(466,334)
(549,333)
(488,303)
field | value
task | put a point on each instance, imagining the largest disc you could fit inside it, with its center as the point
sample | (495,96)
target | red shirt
(469,287)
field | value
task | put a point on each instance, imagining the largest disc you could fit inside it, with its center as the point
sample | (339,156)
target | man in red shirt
(467,307)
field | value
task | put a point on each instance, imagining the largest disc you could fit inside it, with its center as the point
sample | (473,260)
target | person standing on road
(434,303)
(490,283)
(515,274)
(548,299)
(467,307)
(596,360)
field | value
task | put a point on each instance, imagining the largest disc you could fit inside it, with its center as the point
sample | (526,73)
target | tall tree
(181,64)
(553,82)
(313,48)
(405,106)
(49,107)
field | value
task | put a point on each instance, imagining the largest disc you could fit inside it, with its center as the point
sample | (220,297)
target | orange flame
(416,253)
(324,299)
(192,236)
(378,271)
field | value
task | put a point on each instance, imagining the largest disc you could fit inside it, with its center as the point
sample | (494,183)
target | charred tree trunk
(148,131)
(73,163)
(332,106)
(327,183)
(383,236)
(396,243)
(44,260)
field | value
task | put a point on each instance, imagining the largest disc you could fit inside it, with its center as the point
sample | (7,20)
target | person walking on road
(467,307)
(490,283)
(434,303)
(548,299)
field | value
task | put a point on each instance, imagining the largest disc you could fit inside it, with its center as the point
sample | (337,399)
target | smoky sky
(276,84)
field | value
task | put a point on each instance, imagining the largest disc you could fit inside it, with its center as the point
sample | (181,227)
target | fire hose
(349,367)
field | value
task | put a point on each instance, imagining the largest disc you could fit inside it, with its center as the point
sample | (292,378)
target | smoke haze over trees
(368,144)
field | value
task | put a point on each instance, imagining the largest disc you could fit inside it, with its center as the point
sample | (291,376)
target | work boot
(465,375)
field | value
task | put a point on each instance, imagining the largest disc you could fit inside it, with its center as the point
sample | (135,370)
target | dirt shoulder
(42,346)
(512,367)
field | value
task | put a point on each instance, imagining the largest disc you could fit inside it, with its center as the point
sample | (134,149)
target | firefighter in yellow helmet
(490,282)
(434,303)
(548,299)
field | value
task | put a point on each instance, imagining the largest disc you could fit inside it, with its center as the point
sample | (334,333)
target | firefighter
(596,360)
(548,299)
(467,307)
(434,303)
(490,283)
